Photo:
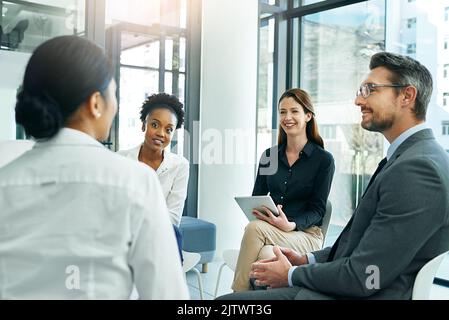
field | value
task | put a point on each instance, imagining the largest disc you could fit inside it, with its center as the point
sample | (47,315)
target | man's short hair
(407,71)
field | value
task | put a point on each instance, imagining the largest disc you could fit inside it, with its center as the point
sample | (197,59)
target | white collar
(67,136)
(404,136)
(168,160)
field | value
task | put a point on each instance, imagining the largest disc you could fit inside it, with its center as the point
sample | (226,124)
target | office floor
(210,279)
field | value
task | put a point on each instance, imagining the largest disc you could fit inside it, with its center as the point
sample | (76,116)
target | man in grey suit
(402,220)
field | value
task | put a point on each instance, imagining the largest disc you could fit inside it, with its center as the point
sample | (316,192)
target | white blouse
(173,175)
(80,222)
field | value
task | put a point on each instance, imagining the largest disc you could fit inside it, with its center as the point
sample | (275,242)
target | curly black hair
(163,100)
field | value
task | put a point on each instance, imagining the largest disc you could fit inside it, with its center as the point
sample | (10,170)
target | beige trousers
(257,242)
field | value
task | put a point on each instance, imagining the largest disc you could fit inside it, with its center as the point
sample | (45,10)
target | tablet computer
(247,204)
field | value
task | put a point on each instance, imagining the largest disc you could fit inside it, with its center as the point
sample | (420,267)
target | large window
(23,26)
(26,24)
(352,34)
(328,48)
(148,42)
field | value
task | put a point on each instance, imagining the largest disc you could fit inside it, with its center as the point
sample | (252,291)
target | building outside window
(24,25)
(353,33)
(411,23)
(445,126)
(411,48)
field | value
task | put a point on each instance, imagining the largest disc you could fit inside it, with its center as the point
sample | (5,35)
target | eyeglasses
(365,89)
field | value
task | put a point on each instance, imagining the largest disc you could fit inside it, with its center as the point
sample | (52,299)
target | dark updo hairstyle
(61,74)
(163,100)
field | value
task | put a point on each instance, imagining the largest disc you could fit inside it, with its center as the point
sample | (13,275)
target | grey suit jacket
(401,223)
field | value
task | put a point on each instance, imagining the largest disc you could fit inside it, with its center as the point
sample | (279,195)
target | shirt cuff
(290,273)
(311,258)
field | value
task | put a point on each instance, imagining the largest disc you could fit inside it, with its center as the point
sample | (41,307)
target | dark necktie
(379,169)
(334,247)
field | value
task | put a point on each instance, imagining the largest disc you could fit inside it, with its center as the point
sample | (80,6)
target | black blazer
(301,189)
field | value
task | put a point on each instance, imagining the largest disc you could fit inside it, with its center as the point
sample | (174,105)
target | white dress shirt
(173,175)
(80,222)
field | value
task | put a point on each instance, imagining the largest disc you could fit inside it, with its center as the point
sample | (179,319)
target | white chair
(424,278)
(231,256)
(191,259)
(230,260)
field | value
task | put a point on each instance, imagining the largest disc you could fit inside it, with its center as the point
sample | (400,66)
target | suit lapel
(425,134)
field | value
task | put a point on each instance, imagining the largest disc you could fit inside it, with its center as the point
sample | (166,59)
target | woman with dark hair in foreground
(75,221)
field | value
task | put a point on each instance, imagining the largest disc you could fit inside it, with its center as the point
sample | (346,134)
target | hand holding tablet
(248,204)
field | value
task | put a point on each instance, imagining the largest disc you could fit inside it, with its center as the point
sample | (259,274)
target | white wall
(228,102)
(12,66)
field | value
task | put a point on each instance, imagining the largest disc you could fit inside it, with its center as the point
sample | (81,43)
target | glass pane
(139,50)
(135,86)
(183,14)
(182,87)
(23,26)
(143,12)
(26,24)
(265,15)
(426,42)
(171,13)
(352,34)
(177,145)
(169,54)
(147,12)
(168,86)
(265,90)
(297,3)
(12,66)
(182,54)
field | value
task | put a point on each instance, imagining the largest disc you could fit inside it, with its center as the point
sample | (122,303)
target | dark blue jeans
(179,241)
